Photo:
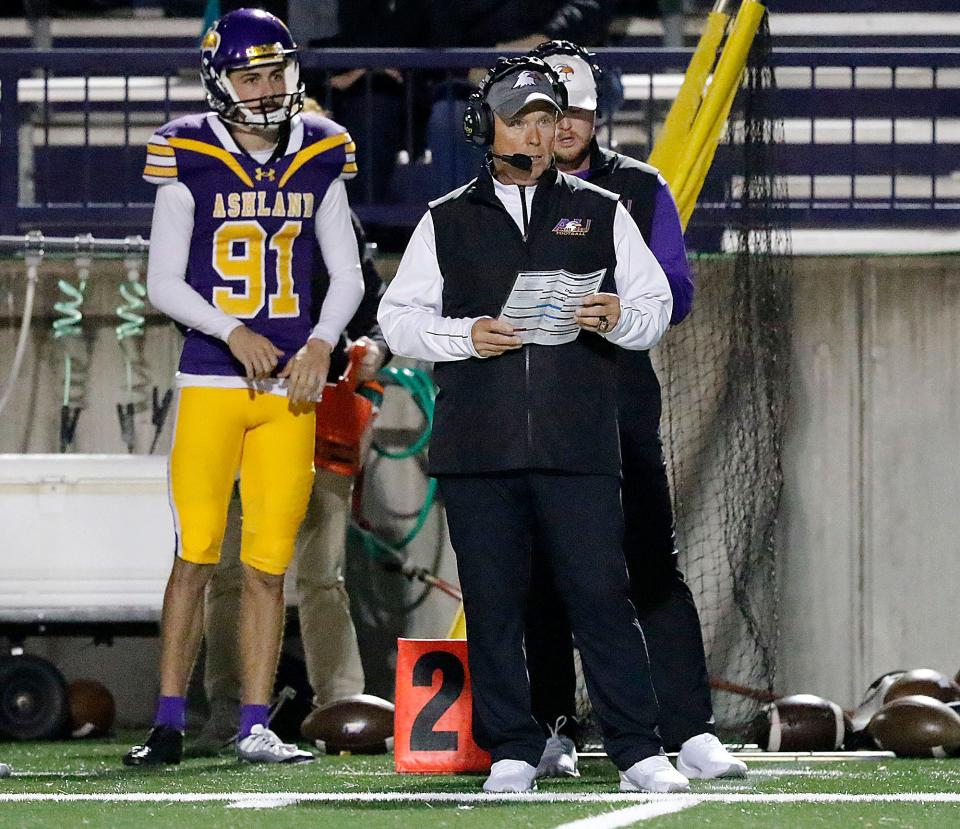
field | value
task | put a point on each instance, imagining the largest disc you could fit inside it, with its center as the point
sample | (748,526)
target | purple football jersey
(253,245)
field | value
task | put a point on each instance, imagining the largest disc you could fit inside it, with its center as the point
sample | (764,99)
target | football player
(246,195)
(330,648)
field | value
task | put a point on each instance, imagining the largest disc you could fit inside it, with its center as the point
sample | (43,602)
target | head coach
(525,436)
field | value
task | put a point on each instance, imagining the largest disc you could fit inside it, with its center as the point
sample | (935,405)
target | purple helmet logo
(250,38)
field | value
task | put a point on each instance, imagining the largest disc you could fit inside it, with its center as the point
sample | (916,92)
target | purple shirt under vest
(667,245)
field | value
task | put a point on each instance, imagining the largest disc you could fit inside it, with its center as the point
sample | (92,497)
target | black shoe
(163,746)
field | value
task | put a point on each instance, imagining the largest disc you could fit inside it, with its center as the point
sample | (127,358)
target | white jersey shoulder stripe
(451,195)
(161,163)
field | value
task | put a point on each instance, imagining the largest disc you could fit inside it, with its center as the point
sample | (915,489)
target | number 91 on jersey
(433,726)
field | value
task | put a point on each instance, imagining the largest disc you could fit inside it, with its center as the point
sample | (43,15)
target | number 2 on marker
(423,735)
(249,265)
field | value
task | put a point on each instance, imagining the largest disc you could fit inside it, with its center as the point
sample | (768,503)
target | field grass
(82,783)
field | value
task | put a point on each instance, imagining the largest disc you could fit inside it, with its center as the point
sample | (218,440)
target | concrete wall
(870,525)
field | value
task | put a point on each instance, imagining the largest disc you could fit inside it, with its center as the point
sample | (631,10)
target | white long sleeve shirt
(410,311)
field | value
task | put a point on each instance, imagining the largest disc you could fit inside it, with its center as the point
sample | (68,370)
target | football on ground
(360,724)
(801,722)
(873,698)
(926,682)
(879,687)
(92,708)
(917,726)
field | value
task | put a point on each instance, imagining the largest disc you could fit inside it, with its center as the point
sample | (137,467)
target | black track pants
(579,522)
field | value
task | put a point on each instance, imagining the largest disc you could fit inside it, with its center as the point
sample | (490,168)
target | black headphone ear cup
(477,124)
(485,114)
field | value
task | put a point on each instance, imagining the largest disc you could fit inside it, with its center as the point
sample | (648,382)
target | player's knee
(189,576)
(200,541)
(270,556)
(300,485)
(261,580)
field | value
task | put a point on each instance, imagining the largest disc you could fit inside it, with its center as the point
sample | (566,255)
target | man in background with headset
(664,604)
(525,436)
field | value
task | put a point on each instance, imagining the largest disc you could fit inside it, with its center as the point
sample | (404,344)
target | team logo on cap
(565,72)
(572,227)
(525,78)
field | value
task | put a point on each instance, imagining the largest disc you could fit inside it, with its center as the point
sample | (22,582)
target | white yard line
(471,797)
(266,803)
(821,773)
(26,775)
(632,814)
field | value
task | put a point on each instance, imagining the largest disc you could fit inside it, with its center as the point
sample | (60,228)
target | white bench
(83,538)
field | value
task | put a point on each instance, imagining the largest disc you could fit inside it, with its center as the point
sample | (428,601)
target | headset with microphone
(478,117)
(518,160)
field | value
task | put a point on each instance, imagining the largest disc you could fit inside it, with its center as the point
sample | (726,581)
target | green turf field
(82,783)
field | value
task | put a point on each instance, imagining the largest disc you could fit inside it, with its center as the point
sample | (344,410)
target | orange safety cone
(433,725)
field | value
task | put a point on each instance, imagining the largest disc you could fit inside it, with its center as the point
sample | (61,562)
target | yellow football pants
(219,431)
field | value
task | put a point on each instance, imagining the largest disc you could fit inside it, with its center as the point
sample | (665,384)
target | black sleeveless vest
(636,183)
(539,407)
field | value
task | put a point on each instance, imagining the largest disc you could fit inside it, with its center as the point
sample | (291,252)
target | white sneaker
(655,774)
(511,776)
(559,754)
(704,757)
(261,745)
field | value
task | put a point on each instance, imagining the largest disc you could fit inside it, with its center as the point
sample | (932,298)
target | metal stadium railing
(870,137)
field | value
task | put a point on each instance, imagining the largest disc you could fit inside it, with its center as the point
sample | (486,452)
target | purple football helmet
(249,38)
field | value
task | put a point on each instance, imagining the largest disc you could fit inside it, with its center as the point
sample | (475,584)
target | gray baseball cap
(512,93)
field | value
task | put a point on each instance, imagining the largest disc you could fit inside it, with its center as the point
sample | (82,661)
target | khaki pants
(329,638)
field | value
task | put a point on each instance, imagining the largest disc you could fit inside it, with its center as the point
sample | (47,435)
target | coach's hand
(258,355)
(306,372)
(492,337)
(599,313)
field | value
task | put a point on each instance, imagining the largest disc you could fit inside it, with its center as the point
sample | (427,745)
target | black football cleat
(163,747)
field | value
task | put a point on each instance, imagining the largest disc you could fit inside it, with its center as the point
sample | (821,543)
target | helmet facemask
(254,112)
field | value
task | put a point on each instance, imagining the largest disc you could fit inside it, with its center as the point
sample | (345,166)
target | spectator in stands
(670,13)
(507,25)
